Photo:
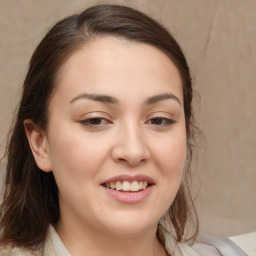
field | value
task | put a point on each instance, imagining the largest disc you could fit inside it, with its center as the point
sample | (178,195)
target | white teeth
(127,186)
(141,184)
(135,186)
(112,185)
(118,185)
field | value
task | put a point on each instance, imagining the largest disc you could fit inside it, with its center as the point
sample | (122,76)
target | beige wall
(219,39)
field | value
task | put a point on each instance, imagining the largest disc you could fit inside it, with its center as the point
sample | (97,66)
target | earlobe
(38,144)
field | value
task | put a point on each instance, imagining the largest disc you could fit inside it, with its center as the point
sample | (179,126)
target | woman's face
(116,138)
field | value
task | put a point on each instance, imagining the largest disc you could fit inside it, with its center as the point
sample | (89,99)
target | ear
(39,145)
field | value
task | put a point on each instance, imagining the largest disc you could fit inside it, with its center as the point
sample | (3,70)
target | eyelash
(166,120)
(88,122)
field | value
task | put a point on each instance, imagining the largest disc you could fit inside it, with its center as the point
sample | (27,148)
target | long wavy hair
(30,201)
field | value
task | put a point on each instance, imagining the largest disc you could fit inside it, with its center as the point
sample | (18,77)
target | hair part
(30,201)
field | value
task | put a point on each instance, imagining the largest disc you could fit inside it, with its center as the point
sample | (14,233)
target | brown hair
(30,201)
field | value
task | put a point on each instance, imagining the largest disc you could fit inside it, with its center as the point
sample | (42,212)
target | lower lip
(129,197)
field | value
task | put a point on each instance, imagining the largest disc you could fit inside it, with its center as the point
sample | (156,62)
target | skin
(82,151)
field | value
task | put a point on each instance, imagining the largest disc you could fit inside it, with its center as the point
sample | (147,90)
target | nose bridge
(131,145)
(133,136)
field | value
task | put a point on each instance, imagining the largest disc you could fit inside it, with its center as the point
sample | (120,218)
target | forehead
(115,65)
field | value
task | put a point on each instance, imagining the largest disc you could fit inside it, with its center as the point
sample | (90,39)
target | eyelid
(168,121)
(161,114)
(95,114)
(87,119)
(86,122)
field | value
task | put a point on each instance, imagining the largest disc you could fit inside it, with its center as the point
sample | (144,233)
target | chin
(127,224)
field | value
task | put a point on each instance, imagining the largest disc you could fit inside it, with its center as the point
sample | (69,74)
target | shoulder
(10,250)
(204,246)
(201,249)
(247,242)
(218,246)
(182,249)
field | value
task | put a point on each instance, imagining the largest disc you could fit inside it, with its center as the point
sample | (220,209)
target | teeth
(128,186)
(135,186)
(141,184)
(118,185)
(112,185)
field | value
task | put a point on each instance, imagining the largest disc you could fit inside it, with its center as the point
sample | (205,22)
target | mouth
(127,186)
(129,189)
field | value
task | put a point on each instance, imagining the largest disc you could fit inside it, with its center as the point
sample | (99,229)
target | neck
(88,241)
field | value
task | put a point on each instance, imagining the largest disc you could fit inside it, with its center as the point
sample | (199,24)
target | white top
(247,242)
(53,243)
(54,247)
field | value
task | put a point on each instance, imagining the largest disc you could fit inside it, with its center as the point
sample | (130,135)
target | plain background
(219,40)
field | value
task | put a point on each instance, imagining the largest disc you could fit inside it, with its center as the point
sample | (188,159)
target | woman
(99,155)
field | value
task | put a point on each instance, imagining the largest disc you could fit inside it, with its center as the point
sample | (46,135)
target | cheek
(76,162)
(171,154)
(72,153)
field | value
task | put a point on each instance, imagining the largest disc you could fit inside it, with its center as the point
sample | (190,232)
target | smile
(127,186)
(129,189)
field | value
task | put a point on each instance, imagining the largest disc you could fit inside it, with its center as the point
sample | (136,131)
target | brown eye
(157,121)
(96,121)
(160,121)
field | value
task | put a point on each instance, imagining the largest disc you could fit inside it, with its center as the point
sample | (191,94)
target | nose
(130,146)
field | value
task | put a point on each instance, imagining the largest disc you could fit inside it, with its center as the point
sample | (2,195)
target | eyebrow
(160,97)
(112,100)
(96,97)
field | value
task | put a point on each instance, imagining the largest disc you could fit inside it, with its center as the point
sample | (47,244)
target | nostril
(131,162)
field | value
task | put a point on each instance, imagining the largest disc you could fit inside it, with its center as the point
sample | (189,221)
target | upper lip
(138,177)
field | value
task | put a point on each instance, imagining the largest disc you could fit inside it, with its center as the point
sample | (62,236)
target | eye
(160,121)
(95,121)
